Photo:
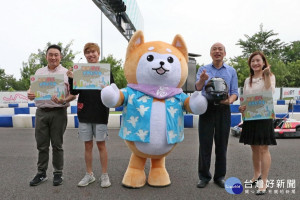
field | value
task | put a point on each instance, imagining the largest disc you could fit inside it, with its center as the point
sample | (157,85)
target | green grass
(115,112)
(288,98)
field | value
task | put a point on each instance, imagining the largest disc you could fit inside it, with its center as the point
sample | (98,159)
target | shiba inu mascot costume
(153,105)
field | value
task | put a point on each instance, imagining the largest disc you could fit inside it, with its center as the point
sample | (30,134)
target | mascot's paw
(198,103)
(110,95)
(134,178)
(158,177)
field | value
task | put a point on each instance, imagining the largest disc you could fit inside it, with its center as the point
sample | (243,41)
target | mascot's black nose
(161,63)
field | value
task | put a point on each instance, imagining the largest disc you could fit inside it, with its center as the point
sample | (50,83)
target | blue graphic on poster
(45,86)
(258,106)
(90,76)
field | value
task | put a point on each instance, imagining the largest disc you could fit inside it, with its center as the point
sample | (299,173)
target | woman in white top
(259,133)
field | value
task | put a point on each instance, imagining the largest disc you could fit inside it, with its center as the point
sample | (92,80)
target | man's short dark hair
(54,46)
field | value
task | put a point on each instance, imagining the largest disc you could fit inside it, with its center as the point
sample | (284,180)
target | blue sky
(28,25)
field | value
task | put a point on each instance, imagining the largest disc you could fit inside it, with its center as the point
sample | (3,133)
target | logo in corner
(233,185)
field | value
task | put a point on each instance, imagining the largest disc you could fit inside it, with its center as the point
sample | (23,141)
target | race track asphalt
(18,157)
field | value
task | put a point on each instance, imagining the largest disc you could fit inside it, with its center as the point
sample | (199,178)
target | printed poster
(258,106)
(44,86)
(13,97)
(291,93)
(91,76)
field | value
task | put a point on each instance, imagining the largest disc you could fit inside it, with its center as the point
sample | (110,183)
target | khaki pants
(50,127)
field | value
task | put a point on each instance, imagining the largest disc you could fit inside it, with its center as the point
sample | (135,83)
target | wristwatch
(64,103)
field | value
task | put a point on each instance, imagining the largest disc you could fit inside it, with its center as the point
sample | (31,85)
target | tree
(117,70)
(293,78)
(291,52)
(240,64)
(3,82)
(275,51)
(29,69)
(7,82)
(38,60)
(281,72)
(261,41)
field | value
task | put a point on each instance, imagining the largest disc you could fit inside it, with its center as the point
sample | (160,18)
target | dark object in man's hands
(216,90)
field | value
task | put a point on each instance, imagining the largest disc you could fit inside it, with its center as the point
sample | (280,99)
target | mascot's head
(156,63)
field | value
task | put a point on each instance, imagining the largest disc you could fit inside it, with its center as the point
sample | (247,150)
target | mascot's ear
(179,43)
(136,40)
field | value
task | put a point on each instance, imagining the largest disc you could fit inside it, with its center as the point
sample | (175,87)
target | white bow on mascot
(153,105)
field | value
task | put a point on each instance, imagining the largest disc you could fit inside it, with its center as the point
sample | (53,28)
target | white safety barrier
(24,117)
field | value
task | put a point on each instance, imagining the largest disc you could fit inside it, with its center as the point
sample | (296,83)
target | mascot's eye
(150,58)
(170,59)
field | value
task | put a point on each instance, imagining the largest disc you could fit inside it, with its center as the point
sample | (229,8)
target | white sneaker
(105,180)
(87,179)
